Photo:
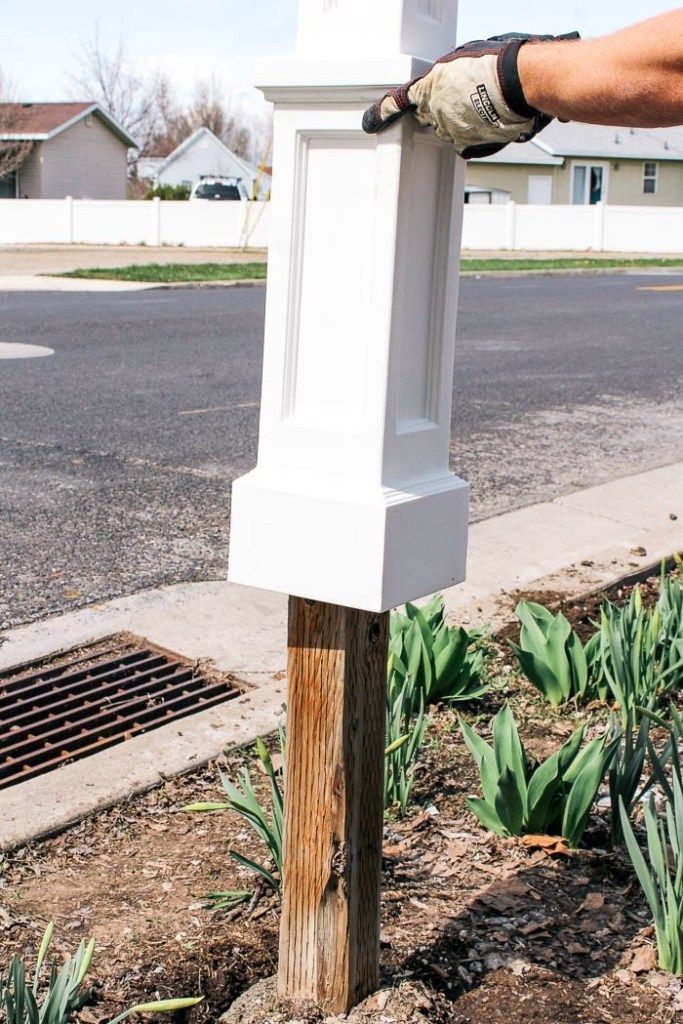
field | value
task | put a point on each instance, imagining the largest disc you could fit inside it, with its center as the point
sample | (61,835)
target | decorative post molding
(352,501)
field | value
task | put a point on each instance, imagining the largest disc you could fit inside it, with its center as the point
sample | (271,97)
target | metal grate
(70,705)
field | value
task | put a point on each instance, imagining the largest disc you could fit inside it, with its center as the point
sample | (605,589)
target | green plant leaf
(510,803)
(160,1006)
(486,815)
(583,793)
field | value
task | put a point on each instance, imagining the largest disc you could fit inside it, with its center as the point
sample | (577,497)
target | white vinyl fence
(129,222)
(500,226)
(575,228)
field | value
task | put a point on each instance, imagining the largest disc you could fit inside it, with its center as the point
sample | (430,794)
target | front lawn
(175,273)
(568,263)
(196,273)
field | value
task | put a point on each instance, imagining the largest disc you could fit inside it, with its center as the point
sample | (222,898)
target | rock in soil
(407,1002)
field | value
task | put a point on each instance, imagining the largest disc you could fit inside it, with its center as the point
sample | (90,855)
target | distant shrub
(168,192)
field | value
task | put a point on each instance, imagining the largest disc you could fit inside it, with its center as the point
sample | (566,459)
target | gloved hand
(472,97)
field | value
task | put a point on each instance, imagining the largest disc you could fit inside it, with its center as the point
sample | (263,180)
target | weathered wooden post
(352,507)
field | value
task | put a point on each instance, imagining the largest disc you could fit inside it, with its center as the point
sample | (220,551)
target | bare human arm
(491,92)
(633,78)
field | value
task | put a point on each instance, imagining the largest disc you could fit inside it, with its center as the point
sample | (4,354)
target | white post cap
(348,29)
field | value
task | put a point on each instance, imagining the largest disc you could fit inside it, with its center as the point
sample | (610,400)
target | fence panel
(546,228)
(485,227)
(638,229)
(214,224)
(505,226)
(112,222)
(28,221)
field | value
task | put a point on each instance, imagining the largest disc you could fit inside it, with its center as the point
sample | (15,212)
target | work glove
(472,97)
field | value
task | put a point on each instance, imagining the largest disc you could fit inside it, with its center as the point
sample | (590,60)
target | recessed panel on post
(331,280)
(420,310)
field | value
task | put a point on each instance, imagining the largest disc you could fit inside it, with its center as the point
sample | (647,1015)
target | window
(649,178)
(589,184)
(579,189)
(8,186)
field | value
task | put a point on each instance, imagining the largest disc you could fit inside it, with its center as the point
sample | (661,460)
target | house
(63,149)
(577,164)
(203,154)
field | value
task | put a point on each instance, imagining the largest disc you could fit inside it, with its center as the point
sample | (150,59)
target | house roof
(559,141)
(576,139)
(523,153)
(39,122)
(249,170)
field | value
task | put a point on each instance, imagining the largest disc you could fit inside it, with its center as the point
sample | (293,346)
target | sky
(191,39)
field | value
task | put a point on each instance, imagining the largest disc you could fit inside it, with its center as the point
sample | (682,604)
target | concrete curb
(575,544)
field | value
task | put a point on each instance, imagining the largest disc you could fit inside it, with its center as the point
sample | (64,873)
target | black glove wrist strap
(511,83)
(508,73)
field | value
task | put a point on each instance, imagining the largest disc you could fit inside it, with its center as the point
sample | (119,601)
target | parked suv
(218,188)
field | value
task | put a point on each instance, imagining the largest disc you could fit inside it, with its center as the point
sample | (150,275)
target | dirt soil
(475,929)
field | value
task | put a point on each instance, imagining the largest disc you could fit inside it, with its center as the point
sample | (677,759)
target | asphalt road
(117,452)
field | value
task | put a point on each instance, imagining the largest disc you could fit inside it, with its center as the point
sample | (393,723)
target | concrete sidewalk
(575,544)
(37,283)
(29,260)
(25,268)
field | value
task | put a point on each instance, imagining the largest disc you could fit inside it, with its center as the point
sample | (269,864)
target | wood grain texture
(329,941)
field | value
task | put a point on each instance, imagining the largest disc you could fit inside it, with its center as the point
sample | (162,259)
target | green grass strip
(175,273)
(568,263)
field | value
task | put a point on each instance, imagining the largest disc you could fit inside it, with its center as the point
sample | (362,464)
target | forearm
(633,78)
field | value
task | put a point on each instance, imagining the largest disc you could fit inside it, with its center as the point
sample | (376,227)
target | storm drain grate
(73,704)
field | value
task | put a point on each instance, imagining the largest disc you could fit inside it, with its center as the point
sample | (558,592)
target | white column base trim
(372,550)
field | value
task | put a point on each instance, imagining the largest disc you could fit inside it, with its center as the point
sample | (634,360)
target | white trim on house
(94,108)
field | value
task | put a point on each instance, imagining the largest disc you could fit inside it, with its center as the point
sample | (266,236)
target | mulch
(475,929)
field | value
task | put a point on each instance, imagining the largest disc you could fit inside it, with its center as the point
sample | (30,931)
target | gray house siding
(86,161)
(30,175)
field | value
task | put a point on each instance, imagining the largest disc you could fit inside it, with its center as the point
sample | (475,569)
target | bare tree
(146,106)
(13,152)
(105,74)
(8,89)
(212,107)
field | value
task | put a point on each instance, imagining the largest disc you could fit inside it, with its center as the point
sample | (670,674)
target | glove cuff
(508,73)
(511,83)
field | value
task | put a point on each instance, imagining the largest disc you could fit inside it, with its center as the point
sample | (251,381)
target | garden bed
(475,930)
